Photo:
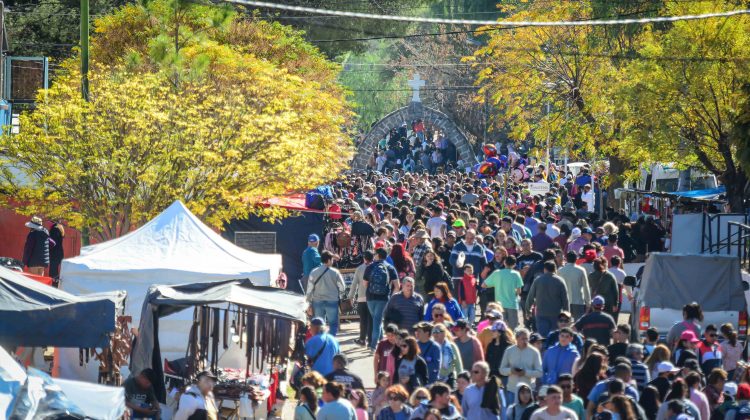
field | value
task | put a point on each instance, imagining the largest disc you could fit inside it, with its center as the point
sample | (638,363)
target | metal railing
(713,241)
(738,242)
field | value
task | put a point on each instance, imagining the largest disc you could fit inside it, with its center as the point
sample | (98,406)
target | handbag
(346,306)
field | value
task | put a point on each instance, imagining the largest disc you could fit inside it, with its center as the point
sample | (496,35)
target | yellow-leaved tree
(182,106)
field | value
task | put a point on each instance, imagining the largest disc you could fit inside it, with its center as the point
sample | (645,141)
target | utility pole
(85,49)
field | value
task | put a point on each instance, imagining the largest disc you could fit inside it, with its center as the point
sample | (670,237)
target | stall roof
(276,302)
(34,314)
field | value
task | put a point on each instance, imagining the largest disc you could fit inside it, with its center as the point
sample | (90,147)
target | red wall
(13,235)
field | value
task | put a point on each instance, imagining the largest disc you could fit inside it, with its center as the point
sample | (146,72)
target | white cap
(666,367)
(730,388)
(575,233)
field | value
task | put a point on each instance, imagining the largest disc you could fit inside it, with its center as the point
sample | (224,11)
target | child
(359,402)
(467,294)
(379,397)
(650,341)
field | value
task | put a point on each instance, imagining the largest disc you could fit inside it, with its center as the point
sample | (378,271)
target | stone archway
(407,114)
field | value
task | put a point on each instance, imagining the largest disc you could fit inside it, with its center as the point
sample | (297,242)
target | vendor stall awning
(269,300)
(708,194)
(34,314)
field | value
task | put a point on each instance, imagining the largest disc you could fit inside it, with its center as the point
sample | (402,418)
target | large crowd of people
(479,300)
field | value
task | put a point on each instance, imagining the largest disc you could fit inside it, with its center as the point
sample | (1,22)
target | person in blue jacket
(429,350)
(321,347)
(560,358)
(443,296)
(310,258)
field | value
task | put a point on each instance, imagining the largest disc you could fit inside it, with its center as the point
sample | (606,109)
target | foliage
(237,128)
(688,110)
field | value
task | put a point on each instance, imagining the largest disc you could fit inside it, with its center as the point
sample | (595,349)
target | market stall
(257,322)
(173,248)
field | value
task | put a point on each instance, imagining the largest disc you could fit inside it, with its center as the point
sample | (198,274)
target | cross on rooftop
(415,84)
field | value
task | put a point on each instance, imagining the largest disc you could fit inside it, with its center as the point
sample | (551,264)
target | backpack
(742,412)
(379,282)
(314,200)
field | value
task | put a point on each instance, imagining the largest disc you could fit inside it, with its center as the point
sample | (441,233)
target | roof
(175,244)
(34,314)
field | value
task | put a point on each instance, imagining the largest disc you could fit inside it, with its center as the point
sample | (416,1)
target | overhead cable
(505,23)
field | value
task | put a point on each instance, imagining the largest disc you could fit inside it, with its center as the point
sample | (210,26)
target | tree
(238,128)
(683,102)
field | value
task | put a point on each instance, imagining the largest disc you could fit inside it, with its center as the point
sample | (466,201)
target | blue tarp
(33,314)
(709,193)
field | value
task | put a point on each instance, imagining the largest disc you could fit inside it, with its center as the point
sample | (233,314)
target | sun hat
(690,336)
(34,223)
(664,367)
(421,234)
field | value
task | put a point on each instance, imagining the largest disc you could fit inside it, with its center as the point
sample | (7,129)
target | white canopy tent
(173,248)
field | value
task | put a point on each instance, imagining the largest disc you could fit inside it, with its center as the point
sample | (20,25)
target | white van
(670,281)
(664,177)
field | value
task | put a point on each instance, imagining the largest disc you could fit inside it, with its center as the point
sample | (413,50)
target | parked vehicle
(664,177)
(669,281)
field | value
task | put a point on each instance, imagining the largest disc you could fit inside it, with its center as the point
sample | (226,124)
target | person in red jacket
(467,294)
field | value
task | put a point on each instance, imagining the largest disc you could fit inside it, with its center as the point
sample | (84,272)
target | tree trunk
(735,182)
(616,179)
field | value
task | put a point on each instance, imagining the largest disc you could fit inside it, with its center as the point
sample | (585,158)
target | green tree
(239,127)
(683,102)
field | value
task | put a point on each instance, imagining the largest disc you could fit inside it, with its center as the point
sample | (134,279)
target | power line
(504,23)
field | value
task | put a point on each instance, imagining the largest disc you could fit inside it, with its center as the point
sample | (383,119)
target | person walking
(335,407)
(36,248)
(483,399)
(559,358)
(450,358)
(310,258)
(381,279)
(576,280)
(406,307)
(603,283)
(553,408)
(550,295)
(521,362)
(597,324)
(429,350)
(198,397)
(321,347)
(411,369)
(507,284)
(358,291)
(57,251)
(468,345)
(324,290)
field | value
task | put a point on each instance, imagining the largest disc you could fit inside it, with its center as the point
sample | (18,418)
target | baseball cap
(597,301)
(587,230)
(494,314)
(690,336)
(459,223)
(743,392)
(313,238)
(208,374)
(498,326)
(663,367)
(604,415)
(730,388)
(461,323)
(543,391)
(318,322)
(590,254)
(535,337)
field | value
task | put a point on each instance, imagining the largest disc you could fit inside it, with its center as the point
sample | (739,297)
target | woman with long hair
(731,348)
(679,392)
(402,261)
(660,354)
(411,369)
(307,407)
(594,369)
(692,316)
(359,401)
(443,295)
(429,273)
(650,402)
(420,396)
(502,338)
(620,405)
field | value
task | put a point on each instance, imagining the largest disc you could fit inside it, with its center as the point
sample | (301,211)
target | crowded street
(375,210)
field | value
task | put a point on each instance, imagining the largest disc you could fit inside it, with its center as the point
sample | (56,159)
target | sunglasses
(421,397)
(394,398)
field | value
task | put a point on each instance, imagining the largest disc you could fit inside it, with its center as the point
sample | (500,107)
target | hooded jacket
(516,410)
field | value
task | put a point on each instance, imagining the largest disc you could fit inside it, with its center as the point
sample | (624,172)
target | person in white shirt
(436,225)
(588,197)
(554,409)
(198,397)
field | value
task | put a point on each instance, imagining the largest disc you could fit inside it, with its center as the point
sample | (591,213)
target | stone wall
(415,110)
